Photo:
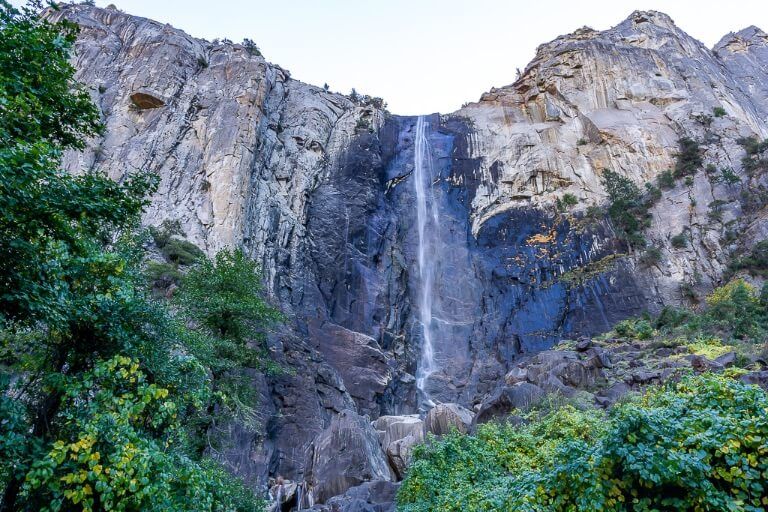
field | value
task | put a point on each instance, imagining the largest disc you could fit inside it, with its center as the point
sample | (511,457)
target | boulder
(727,359)
(507,399)
(343,456)
(516,374)
(399,454)
(394,428)
(375,496)
(583,344)
(702,364)
(758,378)
(442,417)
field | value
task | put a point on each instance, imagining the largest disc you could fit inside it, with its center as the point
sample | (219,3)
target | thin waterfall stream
(427,222)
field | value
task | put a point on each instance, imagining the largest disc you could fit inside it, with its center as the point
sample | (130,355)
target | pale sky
(422,56)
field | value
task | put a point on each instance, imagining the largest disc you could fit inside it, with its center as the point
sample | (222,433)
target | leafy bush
(688,158)
(638,329)
(568,200)
(627,207)
(718,111)
(251,47)
(679,241)
(666,180)
(755,158)
(695,445)
(728,177)
(736,308)
(755,262)
(111,451)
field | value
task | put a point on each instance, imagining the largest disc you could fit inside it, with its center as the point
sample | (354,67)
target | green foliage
(650,256)
(755,261)
(639,329)
(719,112)
(175,249)
(755,158)
(251,47)
(115,451)
(679,241)
(567,201)
(94,376)
(666,180)
(627,208)
(728,177)
(688,158)
(699,444)
(736,308)
(52,223)
(224,298)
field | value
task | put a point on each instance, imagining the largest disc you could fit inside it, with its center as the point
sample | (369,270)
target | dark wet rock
(758,378)
(727,359)
(343,456)
(365,369)
(443,417)
(506,400)
(375,496)
(517,374)
(702,364)
(583,344)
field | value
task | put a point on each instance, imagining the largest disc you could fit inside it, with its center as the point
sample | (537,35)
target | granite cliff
(319,188)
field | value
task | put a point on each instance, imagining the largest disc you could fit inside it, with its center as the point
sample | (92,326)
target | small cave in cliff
(144,101)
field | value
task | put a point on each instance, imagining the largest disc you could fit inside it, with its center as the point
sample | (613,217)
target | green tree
(224,298)
(84,354)
(626,208)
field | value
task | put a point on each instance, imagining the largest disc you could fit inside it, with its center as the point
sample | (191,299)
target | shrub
(251,47)
(728,177)
(679,241)
(650,256)
(736,308)
(694,445)
(754,158)
(755,262)
(627,209)
(567,201)
(666,180)
(688,158)
(718,111)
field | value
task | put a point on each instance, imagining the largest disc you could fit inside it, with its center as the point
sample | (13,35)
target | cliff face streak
(316,187)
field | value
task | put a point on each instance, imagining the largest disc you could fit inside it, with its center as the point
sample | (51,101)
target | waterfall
(427,223)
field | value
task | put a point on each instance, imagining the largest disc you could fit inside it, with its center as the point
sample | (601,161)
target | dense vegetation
(699,443)
(105,393)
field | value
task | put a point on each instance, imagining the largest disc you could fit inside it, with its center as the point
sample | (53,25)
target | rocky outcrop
(345,455)
(398,436)
(518,397)
(318,188)
(443,418)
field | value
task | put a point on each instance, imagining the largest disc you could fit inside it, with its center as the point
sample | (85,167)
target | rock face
(318,187)
(442,418)
(345,455)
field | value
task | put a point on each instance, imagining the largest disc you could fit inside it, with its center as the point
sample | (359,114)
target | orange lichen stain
(541,238)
